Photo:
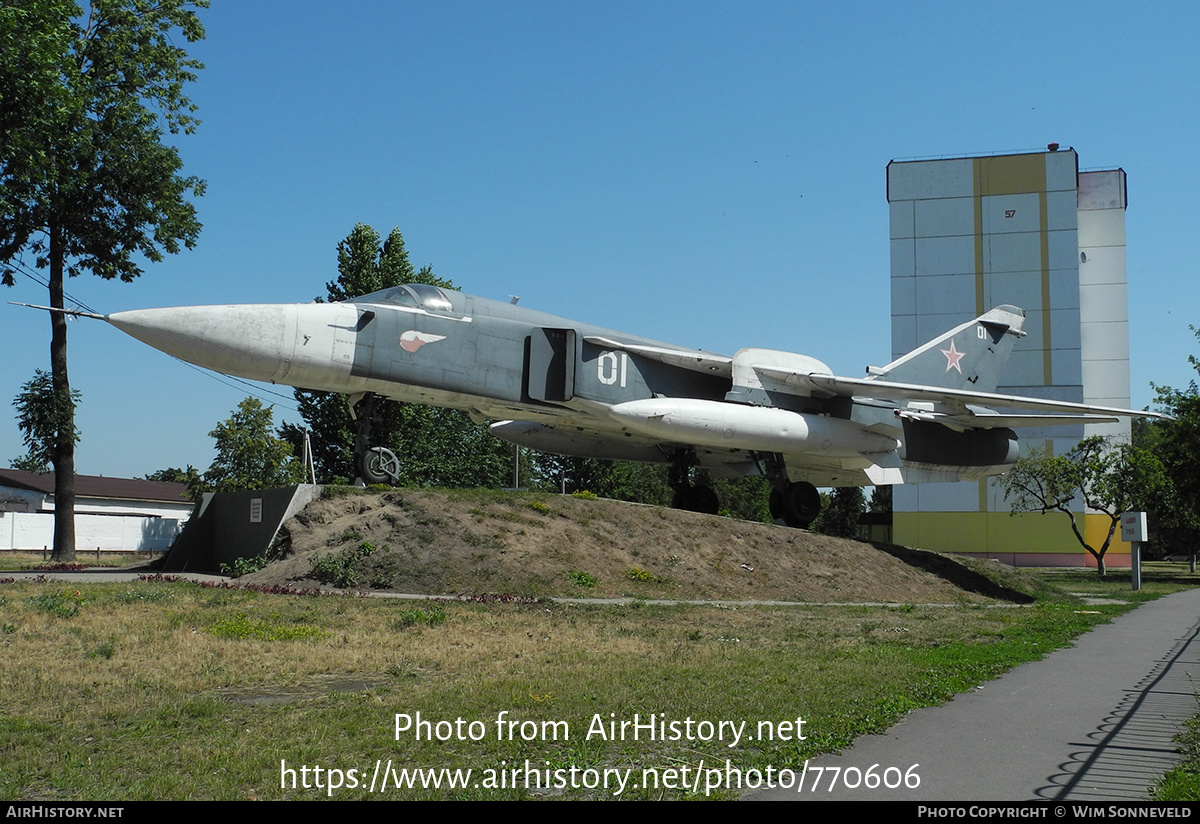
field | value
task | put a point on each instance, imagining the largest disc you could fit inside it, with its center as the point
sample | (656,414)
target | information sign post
(1133,530)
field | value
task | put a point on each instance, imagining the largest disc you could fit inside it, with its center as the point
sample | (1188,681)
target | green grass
(84,558)
(240,627)
(171,690)
(1183,782)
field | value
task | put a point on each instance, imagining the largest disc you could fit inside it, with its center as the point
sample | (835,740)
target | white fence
(31,531)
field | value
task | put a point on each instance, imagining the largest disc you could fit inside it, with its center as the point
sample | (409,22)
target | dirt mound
(478,541)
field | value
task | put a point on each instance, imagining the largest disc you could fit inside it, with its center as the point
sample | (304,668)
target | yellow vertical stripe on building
(1044,237)
(1011,174)
(977,176)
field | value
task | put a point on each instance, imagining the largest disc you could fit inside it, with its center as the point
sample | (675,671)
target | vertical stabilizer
(969,357)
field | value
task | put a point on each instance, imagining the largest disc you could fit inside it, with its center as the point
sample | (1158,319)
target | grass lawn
(170,690)
(83,558)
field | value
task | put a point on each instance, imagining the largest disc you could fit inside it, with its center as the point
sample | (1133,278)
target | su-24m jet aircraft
(559,386)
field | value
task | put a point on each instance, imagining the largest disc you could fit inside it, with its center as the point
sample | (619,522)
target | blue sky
(700,173)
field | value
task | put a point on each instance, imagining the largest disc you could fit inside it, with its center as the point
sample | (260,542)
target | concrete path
(1093,722)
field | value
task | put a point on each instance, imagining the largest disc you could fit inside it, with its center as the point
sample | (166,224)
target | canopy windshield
(418,295)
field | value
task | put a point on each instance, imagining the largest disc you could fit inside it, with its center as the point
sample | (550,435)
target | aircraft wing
(693,359)
(956,404)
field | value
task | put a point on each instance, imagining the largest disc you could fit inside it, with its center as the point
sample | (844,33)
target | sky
(708,174)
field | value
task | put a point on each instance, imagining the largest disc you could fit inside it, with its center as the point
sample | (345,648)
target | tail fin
(969,356)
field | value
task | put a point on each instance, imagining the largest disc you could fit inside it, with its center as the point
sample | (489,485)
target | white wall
(111,533)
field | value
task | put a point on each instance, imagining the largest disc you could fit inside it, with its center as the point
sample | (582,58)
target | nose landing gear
(379,466)
(375,464)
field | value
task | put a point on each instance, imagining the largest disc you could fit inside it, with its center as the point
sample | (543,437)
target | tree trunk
(64,445)
(1100,568)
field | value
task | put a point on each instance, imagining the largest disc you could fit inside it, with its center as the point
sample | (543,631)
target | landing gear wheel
(799,504)
(379,466)
(701,499)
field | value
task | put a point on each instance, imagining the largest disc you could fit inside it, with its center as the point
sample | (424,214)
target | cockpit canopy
(416,295)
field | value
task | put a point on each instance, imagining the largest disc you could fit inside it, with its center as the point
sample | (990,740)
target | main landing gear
(375,464)
(798,503)
(692,498)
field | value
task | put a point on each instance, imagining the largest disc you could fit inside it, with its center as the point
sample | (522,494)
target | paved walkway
(1092,722)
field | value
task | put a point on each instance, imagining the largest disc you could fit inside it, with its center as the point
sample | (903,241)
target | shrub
(244,566)
(342,568)
(582,579)
(636,573)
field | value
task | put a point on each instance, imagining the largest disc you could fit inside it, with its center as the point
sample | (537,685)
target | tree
(249,456)
(40,417)
(881,500)
(441,447)
(363,267)
(642,483)
(1177,443)
(86,182)
(190,477)
(568,473)
(1105,477)
(444,447)
(840,513)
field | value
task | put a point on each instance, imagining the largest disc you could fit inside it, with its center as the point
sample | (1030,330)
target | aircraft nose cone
(251,341)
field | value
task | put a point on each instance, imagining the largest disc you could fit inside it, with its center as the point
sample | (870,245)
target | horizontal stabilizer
(956,400)
(986,420)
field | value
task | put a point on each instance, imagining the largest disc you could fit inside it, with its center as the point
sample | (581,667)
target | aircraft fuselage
(561,386)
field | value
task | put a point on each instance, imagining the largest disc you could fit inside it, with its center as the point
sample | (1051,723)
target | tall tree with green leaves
(87,183)
(437,446)
(249,455)
(841,512)
(40,417)
(364,266)
(1177,443)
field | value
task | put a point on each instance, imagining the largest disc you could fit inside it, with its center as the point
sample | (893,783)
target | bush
(636,573)
(582,579)
(244,566)
(342,568)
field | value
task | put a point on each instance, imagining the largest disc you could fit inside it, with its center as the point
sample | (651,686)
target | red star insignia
(953,356)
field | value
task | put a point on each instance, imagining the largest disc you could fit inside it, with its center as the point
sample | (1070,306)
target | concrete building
(1031,230)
